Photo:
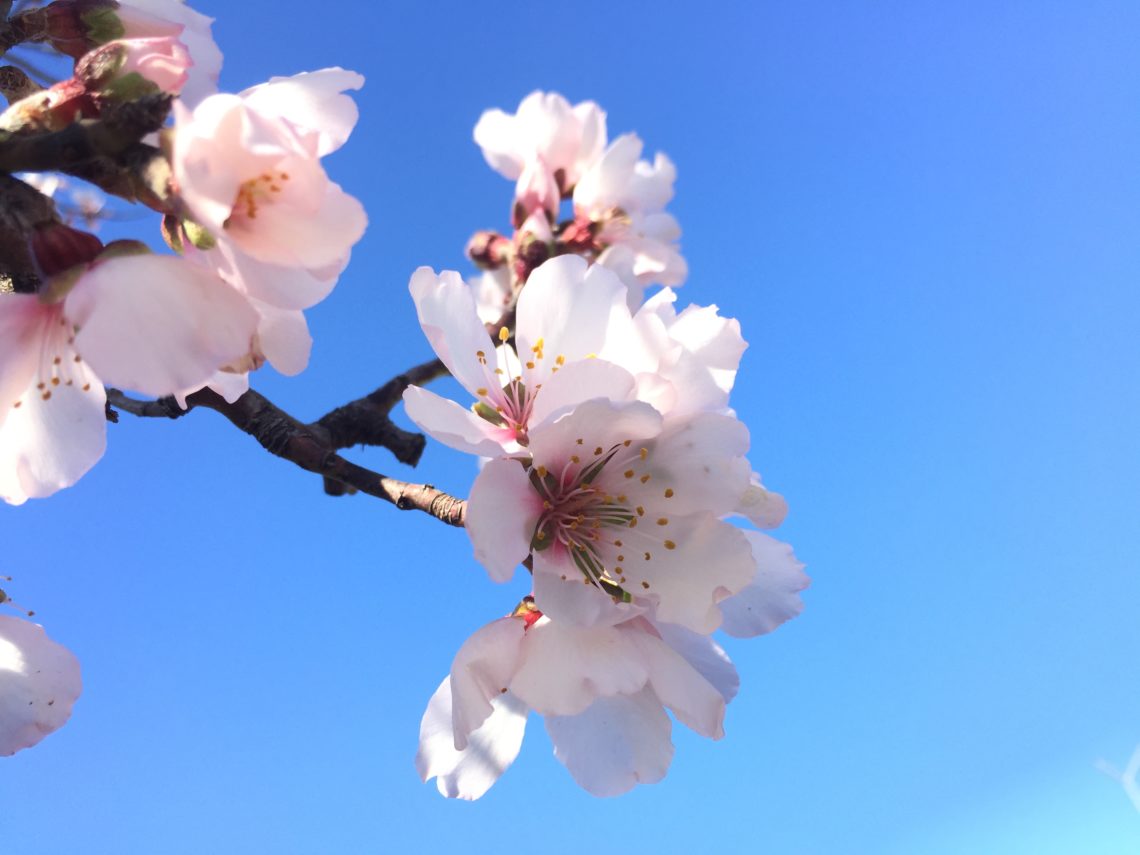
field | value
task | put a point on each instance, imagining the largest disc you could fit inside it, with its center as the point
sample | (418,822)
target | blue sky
(926,217)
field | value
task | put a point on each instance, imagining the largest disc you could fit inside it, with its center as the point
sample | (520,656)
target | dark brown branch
(366,421)
(284,436)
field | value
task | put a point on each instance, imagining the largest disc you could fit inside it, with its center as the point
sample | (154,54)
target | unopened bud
(57,247)
(489,250)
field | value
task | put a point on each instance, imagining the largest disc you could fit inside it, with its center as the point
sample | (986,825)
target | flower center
(256,191)
(591,522)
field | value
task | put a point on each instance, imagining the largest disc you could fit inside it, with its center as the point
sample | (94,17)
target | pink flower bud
(131,67)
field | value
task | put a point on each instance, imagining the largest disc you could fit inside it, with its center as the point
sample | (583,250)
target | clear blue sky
(926,216)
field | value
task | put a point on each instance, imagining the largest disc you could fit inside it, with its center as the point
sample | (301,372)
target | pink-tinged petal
(580,381)
(598,424)
(695,701)
(39,684)
(158,324)
(53,438)
(774,595)
(565,668)
(686,567)
(762,507)
(199,40)
(502,511)
(574,310)
(571,600)
(615,744)
(481,672)
(216,147)
(446,310)
(284,287)
(289,232)
(592,121)
(23,323)
(537,191)
(705,655)
(283,338)
(469,773)
(313,101)
(454,426)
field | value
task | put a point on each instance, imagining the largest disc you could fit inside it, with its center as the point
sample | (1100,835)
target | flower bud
(489,250)
(130,68)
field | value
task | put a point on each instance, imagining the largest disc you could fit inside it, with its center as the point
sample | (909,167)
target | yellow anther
(662,521)
(504,334)
(670,544)
(668,492)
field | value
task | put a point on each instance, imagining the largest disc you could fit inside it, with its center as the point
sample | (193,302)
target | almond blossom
(602,689)
(626,197)
(545,146)
(39,684)
(575,339)
(248,169)
(151,323)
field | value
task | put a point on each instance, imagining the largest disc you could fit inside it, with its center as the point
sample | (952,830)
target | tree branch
(284,436)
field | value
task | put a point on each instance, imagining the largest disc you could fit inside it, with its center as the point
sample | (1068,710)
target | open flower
(248,169)
(152,323)
(573,329)
(615,498)
(603,691)
(39,684)
(626,196)
(545,146)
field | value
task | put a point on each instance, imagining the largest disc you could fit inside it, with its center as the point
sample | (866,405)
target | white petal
(53,438)
(615,744)
(450,320)
(580,381)
(565,668)
(23,324)
(572,600)
(762,507)
(284,287)
(699,460)
(312,101)
(158,324)
(573,309)
(694,700)
(773,597)
(598,424)
(705,655)
(709,561)
(454,426)
(495,134)
(468,774)
(39,684)
(502,512)
(481,671)
(283,338)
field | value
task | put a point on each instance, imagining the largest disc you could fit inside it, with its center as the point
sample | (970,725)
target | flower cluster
(615,465)
(262,233)
(614,468)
